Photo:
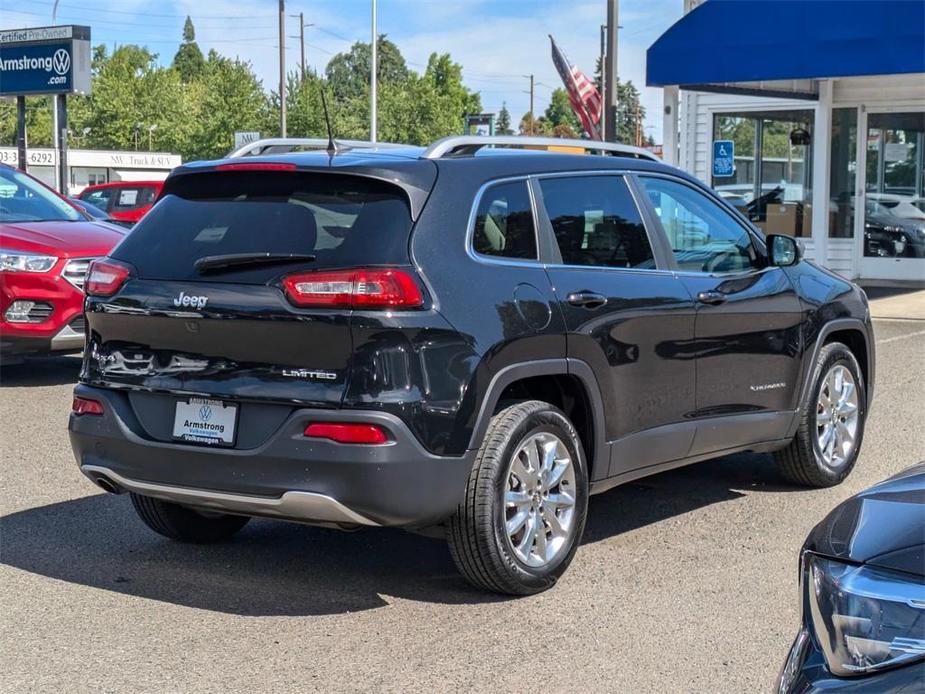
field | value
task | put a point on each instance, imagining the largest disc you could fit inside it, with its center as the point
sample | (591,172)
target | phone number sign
(46,60)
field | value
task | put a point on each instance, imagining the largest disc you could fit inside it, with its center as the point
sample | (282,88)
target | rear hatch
(230,327)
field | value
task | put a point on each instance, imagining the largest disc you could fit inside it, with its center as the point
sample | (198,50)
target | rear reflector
(256,166)
(105,276)
(82,406)
(347,433)
(356,288)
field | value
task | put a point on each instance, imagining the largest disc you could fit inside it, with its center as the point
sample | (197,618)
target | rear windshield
(344,221)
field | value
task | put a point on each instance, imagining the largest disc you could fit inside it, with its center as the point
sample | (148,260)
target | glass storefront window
(894,211)
(774,188)
(843,171)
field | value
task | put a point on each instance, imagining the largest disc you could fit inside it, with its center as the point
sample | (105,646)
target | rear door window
(132,198)
(343,220)
(504,222)
(596,222)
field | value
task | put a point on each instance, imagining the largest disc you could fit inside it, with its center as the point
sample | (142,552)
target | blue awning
(750,41)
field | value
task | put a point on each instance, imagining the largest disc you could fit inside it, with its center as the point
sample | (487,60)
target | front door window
(703,236)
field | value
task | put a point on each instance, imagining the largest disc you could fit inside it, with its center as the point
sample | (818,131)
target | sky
(498,42)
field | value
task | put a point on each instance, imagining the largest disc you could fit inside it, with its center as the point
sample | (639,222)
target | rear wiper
(215,263)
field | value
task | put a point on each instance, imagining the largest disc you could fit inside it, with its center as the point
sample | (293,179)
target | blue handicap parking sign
(723,158)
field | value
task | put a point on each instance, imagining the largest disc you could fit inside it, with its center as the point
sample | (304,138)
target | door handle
(712,297)
(587,299)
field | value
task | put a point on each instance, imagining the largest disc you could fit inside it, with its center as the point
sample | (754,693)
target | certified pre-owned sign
(45,66)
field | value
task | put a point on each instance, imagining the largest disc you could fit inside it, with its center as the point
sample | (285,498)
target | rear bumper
(287,476)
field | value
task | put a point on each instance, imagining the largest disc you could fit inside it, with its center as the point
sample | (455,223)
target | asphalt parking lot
(686,582)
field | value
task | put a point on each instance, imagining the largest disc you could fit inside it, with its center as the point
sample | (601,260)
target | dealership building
(87,167)
(810,118)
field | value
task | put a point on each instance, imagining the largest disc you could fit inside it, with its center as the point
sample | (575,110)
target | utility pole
(373,66)
(610,93)
(282,68)
(60,182)
(603,120)
(532,115)
(302,42)
(302,27)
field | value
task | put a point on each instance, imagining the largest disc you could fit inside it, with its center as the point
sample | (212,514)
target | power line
(144,14)
(105,23)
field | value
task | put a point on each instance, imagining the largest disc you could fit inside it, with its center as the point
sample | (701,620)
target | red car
(126,201)
(46,245)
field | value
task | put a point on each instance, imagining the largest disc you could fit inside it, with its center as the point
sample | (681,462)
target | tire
(185,524)
(478,532)
(803,461)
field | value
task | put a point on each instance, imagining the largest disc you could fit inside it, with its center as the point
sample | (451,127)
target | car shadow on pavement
(41,371)
(273,568)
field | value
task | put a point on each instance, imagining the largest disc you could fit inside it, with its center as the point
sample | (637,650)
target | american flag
(583,95)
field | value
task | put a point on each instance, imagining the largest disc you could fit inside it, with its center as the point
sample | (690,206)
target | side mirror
(783,251)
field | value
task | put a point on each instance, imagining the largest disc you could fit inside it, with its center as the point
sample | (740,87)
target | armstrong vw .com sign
(47,60)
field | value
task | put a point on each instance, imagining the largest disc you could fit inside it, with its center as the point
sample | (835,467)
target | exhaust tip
(107,486)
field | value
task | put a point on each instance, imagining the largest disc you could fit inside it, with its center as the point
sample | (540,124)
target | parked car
(462,339)
(46,245)
(862,590)
(126,201)
(94,212)
(887,234)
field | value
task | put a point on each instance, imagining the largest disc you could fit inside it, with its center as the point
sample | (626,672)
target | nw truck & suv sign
(45,60)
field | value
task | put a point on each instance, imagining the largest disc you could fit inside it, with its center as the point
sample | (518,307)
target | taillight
(82,406)
(347,433)
(105,276)
(356,288)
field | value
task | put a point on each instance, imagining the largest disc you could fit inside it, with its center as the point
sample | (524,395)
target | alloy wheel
(539,499)
(837,415)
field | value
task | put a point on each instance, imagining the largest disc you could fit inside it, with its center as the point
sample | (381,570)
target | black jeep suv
(470,338)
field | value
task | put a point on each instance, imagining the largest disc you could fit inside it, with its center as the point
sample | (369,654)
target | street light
(151,129)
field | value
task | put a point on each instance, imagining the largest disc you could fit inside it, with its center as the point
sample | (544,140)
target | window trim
(756,241)
(661,260)
(473,214)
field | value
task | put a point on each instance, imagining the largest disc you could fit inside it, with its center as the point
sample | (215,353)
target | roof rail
(457,145)
(281,145)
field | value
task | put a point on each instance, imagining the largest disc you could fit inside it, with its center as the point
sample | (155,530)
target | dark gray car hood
(883,525)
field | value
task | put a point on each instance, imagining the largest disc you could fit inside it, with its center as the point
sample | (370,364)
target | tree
(131,93)
(629,111)
(560,113)
(195,112)
(189,61)
(534,126)
(348,73)
(503,124)
(228,96)
(454,100)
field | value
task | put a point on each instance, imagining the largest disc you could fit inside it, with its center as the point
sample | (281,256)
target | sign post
(45,60)
(21,130)
(723,158)
(244,137)
(480,124)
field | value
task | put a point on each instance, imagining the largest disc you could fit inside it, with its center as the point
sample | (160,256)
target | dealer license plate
(205,421)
